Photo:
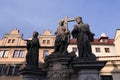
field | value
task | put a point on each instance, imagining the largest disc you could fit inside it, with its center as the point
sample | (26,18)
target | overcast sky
(39,15)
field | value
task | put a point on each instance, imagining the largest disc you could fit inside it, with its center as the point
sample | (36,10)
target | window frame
(97,49)
(9,40)
(21,53)
(107,50)
(18,54)
(44,42)
(2,66)
(3,54)
(48,41)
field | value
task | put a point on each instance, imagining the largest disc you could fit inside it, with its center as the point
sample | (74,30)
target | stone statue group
(80,31)
(82,34)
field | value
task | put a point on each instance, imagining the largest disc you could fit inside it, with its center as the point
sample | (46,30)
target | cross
(66,20)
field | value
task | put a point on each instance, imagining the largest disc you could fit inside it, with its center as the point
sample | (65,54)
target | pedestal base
(58,69)
(116,74)
(33,74)
(88,70)
(58,66)
(88,75)
(33,77)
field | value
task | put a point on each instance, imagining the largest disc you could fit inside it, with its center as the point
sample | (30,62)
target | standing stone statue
(84,36)
(62,38)
(33,51)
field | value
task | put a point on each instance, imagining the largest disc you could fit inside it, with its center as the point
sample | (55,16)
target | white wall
(102,53)
(117,42)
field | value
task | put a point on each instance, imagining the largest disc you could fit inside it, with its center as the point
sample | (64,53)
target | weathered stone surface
(88,70)
(59,65)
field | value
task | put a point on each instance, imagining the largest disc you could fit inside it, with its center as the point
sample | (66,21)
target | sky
(103,16)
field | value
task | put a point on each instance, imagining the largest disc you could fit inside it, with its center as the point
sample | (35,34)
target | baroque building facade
(13,53)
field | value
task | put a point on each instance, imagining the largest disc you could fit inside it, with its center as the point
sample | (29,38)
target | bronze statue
(62,38)
(33,51)
(84,36)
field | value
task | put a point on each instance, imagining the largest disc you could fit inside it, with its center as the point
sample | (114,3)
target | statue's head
(79,19)
(35,34)
(61,22)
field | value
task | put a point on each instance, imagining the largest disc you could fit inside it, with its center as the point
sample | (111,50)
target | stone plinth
(116,74)
(58,69)
(33,74)
(88,70)
(58,66)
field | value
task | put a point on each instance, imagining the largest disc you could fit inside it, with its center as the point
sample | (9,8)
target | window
(44,41)
(45,53)
(4,53)
(1,53)
(48,41)
(18,54)
(21,54)
(1,68)
(106,77)
(9,40)
(13,69)
(74,49)
(13,41)
(107,50)
(97,49)
(10,70)
(16,69)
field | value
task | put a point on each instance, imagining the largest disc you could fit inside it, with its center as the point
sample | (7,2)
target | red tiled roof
(96,42)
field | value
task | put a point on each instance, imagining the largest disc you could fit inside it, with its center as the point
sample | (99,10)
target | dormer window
(97,49)
(103,38)
(48,41)
(107,50)
(9,40)
(13,41)
(44,41)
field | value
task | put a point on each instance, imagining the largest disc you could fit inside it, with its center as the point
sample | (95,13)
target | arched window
(9,40)
(13,41)
(44,41)
(48,41)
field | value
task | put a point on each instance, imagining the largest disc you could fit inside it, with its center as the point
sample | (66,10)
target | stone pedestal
(58,66)
(116,74)
(88,70)
(33,74)
(33,77)
(58,69)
